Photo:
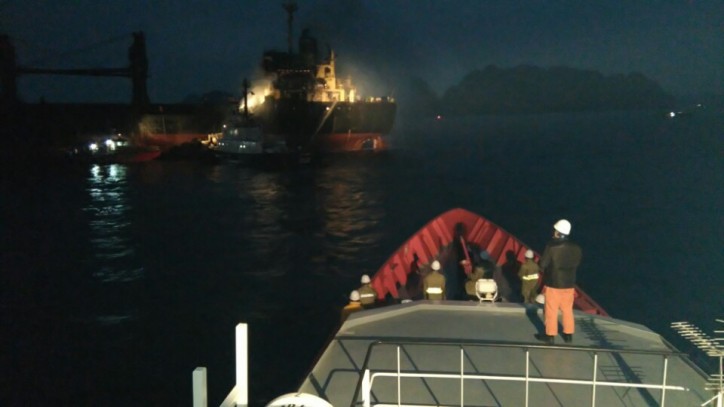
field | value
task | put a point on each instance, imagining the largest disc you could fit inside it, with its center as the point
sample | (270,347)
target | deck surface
(495,338)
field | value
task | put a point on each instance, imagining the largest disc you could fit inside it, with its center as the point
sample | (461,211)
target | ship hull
(171,126)
(165,141)
(328,126)
(128,155)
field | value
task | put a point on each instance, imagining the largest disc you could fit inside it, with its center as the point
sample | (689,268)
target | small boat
(407,352)
(110,149)
(685,113)
(243,139)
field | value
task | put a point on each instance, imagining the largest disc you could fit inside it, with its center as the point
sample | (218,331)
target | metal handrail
(368,378)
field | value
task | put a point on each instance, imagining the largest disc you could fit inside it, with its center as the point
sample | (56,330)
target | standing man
(529,278)
(559,262)
(434,283)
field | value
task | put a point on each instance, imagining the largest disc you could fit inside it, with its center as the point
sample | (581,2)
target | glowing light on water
(110,223)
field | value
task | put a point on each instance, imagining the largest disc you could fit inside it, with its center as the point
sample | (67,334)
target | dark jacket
(559,262)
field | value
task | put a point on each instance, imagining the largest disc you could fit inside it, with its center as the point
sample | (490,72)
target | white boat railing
(369,376)
(239,395)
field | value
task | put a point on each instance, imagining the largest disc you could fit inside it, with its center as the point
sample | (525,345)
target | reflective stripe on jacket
(434,286)
(367,294)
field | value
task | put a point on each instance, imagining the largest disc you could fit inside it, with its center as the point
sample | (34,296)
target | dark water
(117,281)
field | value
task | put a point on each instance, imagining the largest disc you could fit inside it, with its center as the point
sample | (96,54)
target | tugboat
(242,137)
(314,111)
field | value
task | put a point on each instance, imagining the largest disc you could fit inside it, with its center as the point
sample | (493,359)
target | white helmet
(365,279)
(354,295)
(435,265)
(529,254)
(540,299)
(563,227)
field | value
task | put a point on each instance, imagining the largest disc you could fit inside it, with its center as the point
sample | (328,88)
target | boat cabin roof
(434,353)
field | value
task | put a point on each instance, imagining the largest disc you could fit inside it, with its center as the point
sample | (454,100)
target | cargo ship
(308,106)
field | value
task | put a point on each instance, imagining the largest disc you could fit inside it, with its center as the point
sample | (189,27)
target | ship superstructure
(313,109)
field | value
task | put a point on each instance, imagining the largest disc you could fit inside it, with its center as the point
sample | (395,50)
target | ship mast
(245,84)
(290,6)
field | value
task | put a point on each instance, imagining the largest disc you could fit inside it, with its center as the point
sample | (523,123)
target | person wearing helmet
(559,263)
(353,306)
(434,283)
(528,274)
(413,286)
(367,294)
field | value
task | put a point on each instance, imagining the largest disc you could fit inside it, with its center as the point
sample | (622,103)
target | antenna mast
(290,6)
(712,347)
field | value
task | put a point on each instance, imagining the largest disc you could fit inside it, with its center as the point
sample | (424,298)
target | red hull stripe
(163,140)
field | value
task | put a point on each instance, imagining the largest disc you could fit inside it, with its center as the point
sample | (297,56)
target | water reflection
(351,203)
(317,219)
(263,195)
(108,209)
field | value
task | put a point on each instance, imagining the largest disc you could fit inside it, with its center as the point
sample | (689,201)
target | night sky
(196,46)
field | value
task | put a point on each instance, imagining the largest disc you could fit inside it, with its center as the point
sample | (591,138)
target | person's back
(353,306)
(367,294)
(434,283)
(529,268)
(528,274)
(413,285)
(560,262)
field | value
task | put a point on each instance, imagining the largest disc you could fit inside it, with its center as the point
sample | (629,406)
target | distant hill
(532,89)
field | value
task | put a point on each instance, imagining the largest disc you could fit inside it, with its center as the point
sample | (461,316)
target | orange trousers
(559,298)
